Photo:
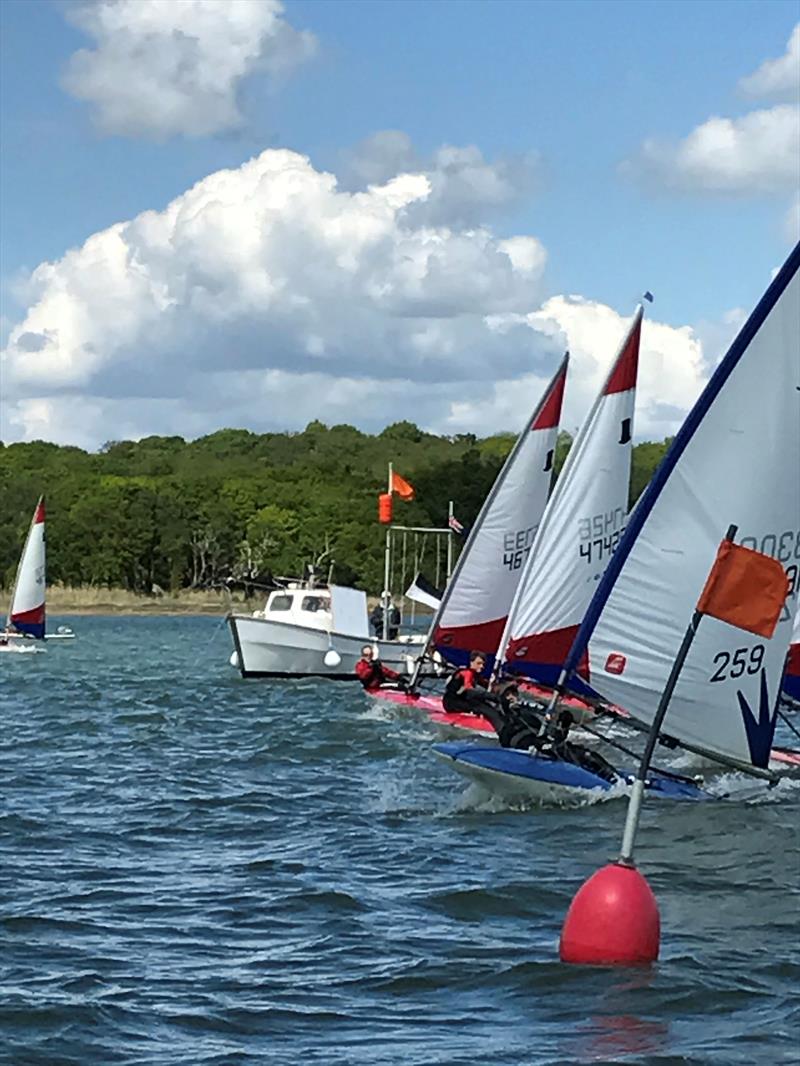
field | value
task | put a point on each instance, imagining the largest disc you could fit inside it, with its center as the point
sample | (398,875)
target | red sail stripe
(623,376)
(550,414)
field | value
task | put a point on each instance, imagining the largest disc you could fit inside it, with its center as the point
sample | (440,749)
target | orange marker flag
(403,489)
(745,589)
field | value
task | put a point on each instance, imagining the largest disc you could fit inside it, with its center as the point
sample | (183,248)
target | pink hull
(393,695)
(785,755)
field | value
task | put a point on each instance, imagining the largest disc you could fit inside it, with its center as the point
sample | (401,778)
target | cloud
(267,296)
(272,267)
(777,77)
(465,188)
(167,67)
(672,370)
(758,153)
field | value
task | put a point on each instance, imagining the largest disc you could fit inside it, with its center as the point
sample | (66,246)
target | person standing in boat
(392,623)
(374,675)
(466,691)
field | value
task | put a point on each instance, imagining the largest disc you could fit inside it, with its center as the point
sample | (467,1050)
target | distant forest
(239,505)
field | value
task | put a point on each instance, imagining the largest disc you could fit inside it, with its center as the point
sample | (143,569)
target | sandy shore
(63,600)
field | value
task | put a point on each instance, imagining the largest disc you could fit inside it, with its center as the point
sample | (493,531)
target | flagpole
(449,539)
(387,567)
(637,792)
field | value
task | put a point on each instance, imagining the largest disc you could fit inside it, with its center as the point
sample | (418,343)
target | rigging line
(636,755)
(793,728)
(214,633)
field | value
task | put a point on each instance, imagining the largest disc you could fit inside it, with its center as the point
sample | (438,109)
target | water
(195,869)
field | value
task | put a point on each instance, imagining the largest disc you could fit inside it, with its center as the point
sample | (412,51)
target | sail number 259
(736,663)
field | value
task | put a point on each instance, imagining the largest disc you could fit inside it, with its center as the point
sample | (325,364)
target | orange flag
(745,589)
(403,489)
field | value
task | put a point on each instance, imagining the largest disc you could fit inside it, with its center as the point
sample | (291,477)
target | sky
(246,213)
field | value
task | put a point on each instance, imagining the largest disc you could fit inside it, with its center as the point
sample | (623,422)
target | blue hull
(552,773)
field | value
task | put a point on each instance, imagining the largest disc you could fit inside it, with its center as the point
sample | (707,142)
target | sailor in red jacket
(373,674)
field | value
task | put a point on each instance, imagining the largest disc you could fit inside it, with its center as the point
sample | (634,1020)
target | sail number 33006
(735,663)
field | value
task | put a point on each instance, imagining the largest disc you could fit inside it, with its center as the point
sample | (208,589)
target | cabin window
(281,603)
(313,603)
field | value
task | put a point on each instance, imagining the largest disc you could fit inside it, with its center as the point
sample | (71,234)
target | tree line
(234,505)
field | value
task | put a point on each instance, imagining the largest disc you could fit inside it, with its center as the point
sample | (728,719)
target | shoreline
(117,601)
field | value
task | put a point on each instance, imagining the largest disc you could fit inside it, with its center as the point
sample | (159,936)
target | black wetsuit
(465,693)
(519,727)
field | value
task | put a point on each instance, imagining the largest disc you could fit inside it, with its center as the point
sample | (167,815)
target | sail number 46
(736,663)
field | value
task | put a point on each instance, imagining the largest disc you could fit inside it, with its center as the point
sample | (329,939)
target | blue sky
(579,86)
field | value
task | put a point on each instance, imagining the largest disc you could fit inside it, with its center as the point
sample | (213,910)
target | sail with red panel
(791,679)
(27,611)
(473,610)
(580,528)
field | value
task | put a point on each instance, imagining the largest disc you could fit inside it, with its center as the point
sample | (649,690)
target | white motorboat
(310,631)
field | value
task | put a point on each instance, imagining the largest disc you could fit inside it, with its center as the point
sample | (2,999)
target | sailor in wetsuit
(561,748)
(374,675)
(465,692)
(518,726)
(516,723)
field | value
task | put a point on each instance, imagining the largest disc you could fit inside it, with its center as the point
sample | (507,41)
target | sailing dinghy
(472,612)
(733,460)
(26,614)
(579,528)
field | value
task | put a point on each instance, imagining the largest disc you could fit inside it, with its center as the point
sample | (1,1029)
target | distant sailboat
(26,613)
(734,460)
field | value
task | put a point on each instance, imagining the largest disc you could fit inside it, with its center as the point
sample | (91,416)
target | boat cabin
(299,606)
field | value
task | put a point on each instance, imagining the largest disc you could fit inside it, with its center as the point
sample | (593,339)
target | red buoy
(612,921)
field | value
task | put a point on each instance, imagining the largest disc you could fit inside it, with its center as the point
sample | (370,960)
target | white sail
(476,602)
(580,528)
(27,611)
(733,462)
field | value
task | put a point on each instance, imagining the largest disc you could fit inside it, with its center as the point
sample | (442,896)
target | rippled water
(197,869)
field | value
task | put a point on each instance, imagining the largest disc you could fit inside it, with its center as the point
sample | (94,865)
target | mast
(387,567)
(449,541)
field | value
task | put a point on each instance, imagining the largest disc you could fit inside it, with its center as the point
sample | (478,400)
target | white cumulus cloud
(266,296)
(755,153)
(167,67)
(777,77)
(465,188)
(758,153)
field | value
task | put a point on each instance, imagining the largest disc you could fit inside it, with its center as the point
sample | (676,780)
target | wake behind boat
(530,775)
